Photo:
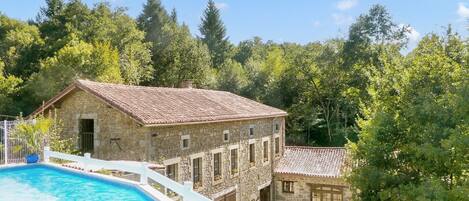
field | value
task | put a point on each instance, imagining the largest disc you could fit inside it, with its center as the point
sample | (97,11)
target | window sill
(234,175)
(198,187)
(216,182)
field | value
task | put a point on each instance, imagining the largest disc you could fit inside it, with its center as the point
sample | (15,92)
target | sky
(300,21)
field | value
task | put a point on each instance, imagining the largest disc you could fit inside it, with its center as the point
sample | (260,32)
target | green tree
(76,60)
(181,58)
(372,34)
(413,139)
(20,47)
(213,33)
(152,20)
(231,77)
(99,25)
(9,87)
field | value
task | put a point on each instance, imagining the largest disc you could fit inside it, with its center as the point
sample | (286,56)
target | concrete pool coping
(145,189)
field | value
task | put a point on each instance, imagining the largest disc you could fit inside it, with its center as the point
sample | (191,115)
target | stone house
(226,144)
(311,174)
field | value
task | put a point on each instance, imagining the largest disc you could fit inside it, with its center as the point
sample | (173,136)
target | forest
(403,116)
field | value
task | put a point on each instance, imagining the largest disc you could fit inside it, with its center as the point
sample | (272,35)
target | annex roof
(312,161)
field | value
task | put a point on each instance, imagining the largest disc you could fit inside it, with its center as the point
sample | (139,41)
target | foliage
(9,86)
(77,59)
(33,135)
(214,35)
(181,57)
(414,137)
(404,116)
(42,131)
(231,77)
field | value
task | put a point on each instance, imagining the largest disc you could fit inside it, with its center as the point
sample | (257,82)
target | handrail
(185,191)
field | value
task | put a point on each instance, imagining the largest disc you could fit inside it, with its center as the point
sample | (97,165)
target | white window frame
(279,145)
(192,157)
(213,152)
(173,161)
(226,132)
(188,138)
(266,139)
(253,131)
(279,127)
(252,141)
(239,168)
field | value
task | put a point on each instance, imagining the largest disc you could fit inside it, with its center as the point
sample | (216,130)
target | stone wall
(131,141)
(302,187)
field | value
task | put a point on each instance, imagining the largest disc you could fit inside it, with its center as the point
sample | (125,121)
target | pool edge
(145,189)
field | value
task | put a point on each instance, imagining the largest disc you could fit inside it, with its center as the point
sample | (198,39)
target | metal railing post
(85,162)
(46,154)
(5,140)
(143,174)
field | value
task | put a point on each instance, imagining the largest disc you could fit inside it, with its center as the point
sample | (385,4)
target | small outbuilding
(311,174)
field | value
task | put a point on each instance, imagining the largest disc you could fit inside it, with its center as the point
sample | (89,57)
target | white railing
(185,191)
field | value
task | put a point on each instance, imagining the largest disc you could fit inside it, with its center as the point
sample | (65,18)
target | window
(234,161)
(276,127)
(252,154)
(172,171)
(287,187)
(251,130)
(327,193)
(226,135)
(265,150)
(197,172)
(185,142)
(217,174)
(277,146)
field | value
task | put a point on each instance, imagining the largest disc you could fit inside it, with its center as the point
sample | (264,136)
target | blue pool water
(39,182)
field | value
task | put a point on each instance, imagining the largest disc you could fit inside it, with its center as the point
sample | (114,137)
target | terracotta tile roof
(153,106)
(312,161)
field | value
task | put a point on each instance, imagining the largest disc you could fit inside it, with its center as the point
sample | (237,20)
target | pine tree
(152,20)
(213,33)
(174,16)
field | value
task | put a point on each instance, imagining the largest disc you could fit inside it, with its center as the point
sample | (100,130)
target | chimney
(186,84)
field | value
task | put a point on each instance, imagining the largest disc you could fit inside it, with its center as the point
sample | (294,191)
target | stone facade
(118,137)
(302,187)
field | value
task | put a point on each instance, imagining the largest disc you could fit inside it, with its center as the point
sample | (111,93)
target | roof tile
(160,105)
(312,161)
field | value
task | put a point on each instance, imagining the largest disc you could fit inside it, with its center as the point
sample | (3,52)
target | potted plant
(32,136)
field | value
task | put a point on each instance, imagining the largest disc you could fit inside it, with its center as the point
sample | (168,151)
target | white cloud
(221,6)
(341,19)
(316,23)
(463,11)
(413,35)
(346,4)
(414,38)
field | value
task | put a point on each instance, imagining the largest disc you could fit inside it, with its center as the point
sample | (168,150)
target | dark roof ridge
(311,147)
(82,82)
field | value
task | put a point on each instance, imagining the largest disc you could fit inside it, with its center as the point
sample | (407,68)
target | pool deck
(146,189)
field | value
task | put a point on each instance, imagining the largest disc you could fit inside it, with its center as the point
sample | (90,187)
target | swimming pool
(42,182)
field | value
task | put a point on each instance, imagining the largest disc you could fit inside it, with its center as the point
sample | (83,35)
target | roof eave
(53,100)
(213,121)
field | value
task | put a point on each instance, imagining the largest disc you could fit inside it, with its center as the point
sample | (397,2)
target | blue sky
(299,21)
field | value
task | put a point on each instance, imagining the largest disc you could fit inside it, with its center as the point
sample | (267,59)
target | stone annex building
(230,147)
